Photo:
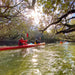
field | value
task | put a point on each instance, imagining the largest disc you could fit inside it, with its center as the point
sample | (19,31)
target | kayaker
(22,42)
(38,40)
(61,42)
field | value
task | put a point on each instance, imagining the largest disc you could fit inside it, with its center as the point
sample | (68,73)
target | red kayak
(18,47)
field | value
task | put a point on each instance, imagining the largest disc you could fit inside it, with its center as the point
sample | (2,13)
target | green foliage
(19,26)
(72,21)
(51,5)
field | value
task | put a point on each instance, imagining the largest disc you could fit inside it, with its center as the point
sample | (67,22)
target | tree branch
(66,31)
(71,18)
(71,4)
(7,6)
(63,16)
(33,2)
(9,16)
(68,25)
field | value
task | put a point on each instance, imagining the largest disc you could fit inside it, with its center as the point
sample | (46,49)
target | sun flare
(36,16)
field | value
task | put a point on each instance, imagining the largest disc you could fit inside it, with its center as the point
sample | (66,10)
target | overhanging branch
(66,31)
(59,19)
(7,6)
(68,25)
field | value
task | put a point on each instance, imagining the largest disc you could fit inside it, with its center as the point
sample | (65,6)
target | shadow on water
(52,59)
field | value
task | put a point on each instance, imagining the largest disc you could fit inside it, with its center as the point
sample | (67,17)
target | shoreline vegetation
(13,42)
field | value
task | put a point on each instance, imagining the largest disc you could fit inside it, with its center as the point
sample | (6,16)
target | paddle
(27,35)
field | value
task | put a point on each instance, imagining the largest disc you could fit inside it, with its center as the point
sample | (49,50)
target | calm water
(52,59)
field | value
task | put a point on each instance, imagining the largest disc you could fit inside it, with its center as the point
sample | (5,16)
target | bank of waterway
(53,59)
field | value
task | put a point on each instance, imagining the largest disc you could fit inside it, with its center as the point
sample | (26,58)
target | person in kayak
(22,42)
(38,40)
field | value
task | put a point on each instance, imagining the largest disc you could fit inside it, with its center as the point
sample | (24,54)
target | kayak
(19,47)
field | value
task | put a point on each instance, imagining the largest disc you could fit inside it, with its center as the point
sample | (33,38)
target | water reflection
(31,72)
(34,58)
(54,59)
(67,53)
(67,60)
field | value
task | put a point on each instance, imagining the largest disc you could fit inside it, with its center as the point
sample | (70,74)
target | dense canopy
(21,16)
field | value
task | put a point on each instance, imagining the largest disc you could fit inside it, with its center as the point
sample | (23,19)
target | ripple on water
(51,60)
(31,72)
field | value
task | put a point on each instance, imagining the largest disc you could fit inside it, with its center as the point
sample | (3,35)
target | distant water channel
(51,59)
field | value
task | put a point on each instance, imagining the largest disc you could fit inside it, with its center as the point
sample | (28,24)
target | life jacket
(22,42)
